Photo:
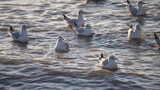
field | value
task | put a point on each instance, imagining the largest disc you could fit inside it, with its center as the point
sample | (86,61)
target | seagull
(108,63)
(61,46)
(19,36)
(134,32)
(157,39)
(71,22)
(136,11)
(84,31)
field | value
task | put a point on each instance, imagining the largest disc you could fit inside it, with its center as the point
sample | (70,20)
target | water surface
(37,67)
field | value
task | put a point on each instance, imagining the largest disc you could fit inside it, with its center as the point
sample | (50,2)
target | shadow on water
(95,1)
(135,42)
(21,45)
(140,20)
(87,39)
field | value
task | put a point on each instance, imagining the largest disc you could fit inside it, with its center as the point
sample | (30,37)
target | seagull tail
(128,1)
(65,17)
(156,38)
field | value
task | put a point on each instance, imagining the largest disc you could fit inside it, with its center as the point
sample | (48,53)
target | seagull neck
(23,29)
(80,17)
(60,41)
(140,6)
(23,32)
(137,28)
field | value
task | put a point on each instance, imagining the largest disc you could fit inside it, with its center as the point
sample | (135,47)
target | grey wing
(74,22)
(67,46)
(80,30)
(133,10)
(16,35)
(105,62)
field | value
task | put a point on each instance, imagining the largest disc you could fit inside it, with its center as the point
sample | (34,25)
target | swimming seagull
(84,31)
(136,11)
(134,32)
(71,22)
(61,46)
(108,63)
(19,36)
(157,39)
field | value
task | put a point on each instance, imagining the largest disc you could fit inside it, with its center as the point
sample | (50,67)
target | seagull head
(140,3)
(81,12)
(60,38)
(23,26)
(101,56)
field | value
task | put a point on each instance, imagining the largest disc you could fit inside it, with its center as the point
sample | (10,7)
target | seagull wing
(67,46)
(15,35)
(81,30)
(105,62)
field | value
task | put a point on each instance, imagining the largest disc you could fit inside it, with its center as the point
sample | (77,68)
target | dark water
(37,67)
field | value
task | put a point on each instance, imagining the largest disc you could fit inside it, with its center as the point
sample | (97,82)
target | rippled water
(37,67)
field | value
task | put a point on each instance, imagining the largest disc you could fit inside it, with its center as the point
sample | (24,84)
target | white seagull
(84,31)
(108,63)
(136,11)
(134,32)
(71,22)
(61,46)
(19,36)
